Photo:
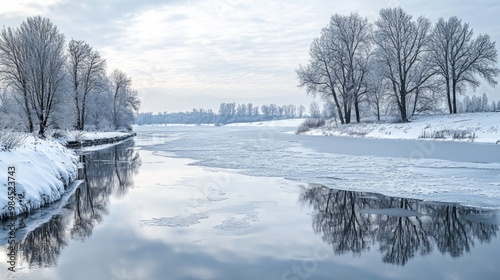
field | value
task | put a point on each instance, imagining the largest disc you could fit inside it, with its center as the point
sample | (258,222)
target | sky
(185,54)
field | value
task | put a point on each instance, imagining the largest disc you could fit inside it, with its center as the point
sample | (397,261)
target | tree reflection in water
(107,172)
(349,222)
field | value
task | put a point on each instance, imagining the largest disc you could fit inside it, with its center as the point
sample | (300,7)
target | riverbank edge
(97,142)
(71,146)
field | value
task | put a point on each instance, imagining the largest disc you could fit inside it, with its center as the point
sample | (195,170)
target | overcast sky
(199,53)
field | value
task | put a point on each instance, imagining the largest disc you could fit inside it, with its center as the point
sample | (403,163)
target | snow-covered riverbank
(77,139)
(41,170)
(477,127)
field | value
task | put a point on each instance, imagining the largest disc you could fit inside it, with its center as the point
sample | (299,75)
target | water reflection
(400,228)
(108,172)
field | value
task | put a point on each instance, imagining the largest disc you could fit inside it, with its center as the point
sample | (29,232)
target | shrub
(310,123)
(453,133)
(10,140)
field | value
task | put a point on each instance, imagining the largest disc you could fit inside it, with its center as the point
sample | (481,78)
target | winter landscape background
(242,139)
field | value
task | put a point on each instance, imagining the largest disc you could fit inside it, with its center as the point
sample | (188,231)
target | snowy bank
(477,127)
(40,171)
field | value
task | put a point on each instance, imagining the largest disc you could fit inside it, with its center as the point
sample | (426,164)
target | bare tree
(459,58)
(318,76)
(125,100)
(402,44)
(13,68)
(120,83)
(314,110)
(338,65)
(88,70)
(349,40)
(301,111)
(45,67)
(377,88)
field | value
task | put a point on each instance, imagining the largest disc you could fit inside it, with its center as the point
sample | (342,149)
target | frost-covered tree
(12,114)
(301,111)
(45,68)
(338,64)
(100,109)
(14,72)
(318,75)
(125,100)
(350,41)
(328,111)
(377,90)
(314,110)
(88,71)
(460,59)
(401,47)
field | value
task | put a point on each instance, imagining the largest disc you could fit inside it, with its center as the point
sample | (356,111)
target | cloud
(220,49)
(23,8)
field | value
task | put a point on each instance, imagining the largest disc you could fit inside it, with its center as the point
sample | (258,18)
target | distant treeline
(227,113)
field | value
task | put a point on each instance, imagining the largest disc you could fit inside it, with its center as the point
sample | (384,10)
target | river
(258,203)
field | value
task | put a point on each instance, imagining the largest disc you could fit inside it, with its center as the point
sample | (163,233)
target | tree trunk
(339,109)
(356,108)
(82,117)
(402,106)
(378,111)
(31,127)
(417,92)
(448,94)
(41,127)
(114,109)
(346,114)
(454,97)
(78,122)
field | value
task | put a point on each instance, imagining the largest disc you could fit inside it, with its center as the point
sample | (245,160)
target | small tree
(88,71)
(125,100)
(314,110)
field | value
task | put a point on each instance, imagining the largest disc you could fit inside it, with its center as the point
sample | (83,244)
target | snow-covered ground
(477,127)
(40,170)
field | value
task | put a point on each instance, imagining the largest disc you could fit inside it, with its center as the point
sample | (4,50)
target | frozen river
(467,173)
(257,203)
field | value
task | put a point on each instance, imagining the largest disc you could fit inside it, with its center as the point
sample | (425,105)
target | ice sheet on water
(238,223)
(260,153)
(177,221)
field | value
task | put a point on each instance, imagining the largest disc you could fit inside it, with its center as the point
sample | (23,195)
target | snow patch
(238,223)
(177,221)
